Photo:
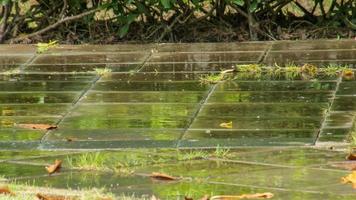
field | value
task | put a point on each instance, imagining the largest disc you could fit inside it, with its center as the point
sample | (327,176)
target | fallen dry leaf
(55,167)
(226,124)
(37,126)
(70,139)
(154,197)
(348,165)
(351,156)
(6,191)
(266,195)
(206,197)
(52,197)
(351,178)
(188,198)
(161,176)
(105,198)
(348,74)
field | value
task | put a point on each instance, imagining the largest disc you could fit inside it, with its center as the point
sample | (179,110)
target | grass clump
(88,161)
(126,162)
(252,68)
(332,70)
(102,71)
(292,72)
(221,152)
(289,72)
(211,78)
(31,192)
(12,71)
(123,162)
(192,155)
(43,47)
(253,71)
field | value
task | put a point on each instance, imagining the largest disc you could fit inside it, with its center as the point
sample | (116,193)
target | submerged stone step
(144,97)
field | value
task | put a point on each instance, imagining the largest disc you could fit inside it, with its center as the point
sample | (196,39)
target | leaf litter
(226,125)
(5,190)
(55,167)
(265,195)
(163,177)
(351,178)
(37,126)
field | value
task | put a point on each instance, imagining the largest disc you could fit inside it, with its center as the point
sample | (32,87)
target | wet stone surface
(288,137)
(112,95)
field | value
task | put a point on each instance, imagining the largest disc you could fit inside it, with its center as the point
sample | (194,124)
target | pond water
(151,96)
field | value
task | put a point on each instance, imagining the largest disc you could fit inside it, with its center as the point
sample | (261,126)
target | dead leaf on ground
(348,74)
(53,197)
(351,156)
(351,178)
(163,177)
(6,191)
(70,139)
(154,197)
(37,126)
(55,167)
(226,125)
(206,197)
(266,195)
(105,198)
(348,165)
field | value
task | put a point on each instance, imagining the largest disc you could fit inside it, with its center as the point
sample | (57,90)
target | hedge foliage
(171,20)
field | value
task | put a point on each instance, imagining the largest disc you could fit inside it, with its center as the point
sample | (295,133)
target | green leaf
(253,6)
(123,30)
(4,2)
(166,4)
(131,17)
(238,2)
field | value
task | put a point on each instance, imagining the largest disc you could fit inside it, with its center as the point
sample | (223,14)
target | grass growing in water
(289,72)
(102,71)
(332,70)
(88,161)
(125,162)
(28,192)
(221,152)
(192,155)
(12,71)
(211,78)
(43,47)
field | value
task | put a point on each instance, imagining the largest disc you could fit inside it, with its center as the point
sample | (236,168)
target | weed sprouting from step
(192,155)
(102,71)
(87,161)
(211,78)
(11,72)
(221,152)
(287,72)
(44,47)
